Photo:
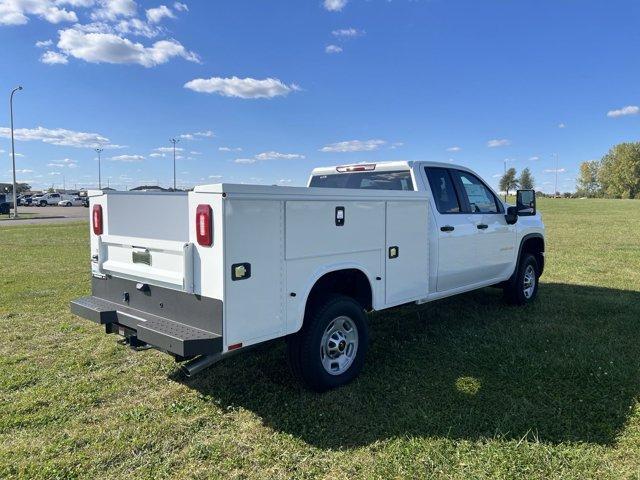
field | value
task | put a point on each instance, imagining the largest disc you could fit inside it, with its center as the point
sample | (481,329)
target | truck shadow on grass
(565,369)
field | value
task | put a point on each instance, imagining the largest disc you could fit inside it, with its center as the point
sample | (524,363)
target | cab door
(457,233)
(495,242)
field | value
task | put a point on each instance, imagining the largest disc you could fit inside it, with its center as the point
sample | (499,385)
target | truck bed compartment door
(407,251)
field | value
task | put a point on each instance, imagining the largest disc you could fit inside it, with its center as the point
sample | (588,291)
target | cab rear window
(393,180)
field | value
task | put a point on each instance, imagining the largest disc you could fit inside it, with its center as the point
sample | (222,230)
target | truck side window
(443,190)
(480,198)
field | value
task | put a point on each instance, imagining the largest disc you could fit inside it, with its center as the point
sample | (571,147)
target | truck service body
(224,267)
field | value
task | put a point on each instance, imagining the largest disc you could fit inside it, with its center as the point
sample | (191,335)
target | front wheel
(522,288)
(329,350)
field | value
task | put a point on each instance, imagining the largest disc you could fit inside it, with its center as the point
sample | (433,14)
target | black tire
(43,203)
(515,291)
(305,348)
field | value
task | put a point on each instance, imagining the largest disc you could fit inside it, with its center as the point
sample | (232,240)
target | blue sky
(262,92)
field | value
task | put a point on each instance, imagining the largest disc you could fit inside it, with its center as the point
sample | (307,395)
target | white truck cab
(207,273)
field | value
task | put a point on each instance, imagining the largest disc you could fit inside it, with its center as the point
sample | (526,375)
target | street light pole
(555,192)
(13,153)
(174,141)
(99,151)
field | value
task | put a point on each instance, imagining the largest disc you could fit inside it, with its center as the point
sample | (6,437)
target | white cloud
(23,170)
(534,158)
(193,152)
(334,5)
(395,145)
(133,26)
(54,58)
(553,170)
(180,7)
(285,180)
(168,149)
(561,125)
(502,142)
(245,161)
(156,155)
(44,43)
(497,175)
(111,48)
(278,156)
(241,87)
(16,12)
(229,149)
(354,146)
(332,49)
(128,158)
(17,154)
(203,134)
(454,149)
(347,32)
(59,136)
(112,9)
(66,162)
(624,111)
(215,176)
(155,15)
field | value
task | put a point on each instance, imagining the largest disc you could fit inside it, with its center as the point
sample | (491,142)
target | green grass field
(462,388)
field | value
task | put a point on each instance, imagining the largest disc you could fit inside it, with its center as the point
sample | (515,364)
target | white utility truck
(204,274)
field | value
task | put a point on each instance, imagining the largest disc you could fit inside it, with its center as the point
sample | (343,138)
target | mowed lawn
(464,388)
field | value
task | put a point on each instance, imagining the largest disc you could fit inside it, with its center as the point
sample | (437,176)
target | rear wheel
(330,349)
(522,288)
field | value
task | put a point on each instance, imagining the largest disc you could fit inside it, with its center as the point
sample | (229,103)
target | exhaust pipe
(193,367)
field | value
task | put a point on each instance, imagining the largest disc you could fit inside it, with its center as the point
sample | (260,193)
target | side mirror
(511,216)
(526,203)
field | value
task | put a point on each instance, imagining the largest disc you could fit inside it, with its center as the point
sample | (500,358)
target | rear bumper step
(169,335)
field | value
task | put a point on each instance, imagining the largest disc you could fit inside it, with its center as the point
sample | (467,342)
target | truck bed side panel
(254,305)
(407,275)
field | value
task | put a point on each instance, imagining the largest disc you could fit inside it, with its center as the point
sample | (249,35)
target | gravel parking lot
(47,215)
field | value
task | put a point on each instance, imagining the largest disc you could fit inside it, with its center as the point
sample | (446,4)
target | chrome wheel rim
(339,345)
(529,282)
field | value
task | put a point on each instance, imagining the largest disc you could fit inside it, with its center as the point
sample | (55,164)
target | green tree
(509,181)
(619,172)
(588,184)
(526,180)
(7,188)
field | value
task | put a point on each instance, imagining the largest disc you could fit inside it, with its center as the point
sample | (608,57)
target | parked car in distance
(25,200)
(48,199)
(71,202)
(203,274)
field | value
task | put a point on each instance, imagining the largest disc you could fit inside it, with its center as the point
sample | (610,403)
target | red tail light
(97,219)
(204,228)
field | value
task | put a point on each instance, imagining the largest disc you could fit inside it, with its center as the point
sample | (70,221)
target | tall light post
(13,153)
(555,192)
(99,151)
(174,141)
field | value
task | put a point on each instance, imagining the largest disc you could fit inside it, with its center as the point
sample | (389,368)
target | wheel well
(350,282)
(534,246)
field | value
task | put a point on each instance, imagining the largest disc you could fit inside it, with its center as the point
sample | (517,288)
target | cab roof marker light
(356,168)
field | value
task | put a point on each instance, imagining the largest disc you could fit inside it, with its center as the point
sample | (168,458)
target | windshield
(394,180)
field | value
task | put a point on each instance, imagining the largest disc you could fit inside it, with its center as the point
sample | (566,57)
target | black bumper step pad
(168,335)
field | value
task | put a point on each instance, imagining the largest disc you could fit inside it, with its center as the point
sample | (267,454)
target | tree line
(510,180)
(616,175)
